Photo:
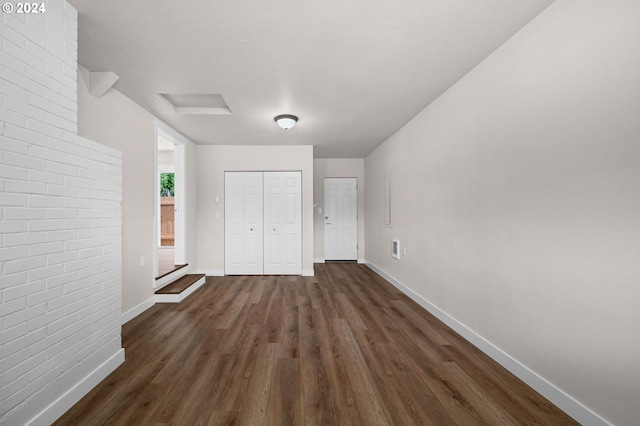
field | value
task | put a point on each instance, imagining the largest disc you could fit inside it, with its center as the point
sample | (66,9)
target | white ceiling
(354,71)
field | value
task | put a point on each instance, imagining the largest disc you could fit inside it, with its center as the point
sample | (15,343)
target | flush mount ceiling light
(286,121)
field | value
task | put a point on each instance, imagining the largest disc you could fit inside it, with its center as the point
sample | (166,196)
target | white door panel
(341,219)
(283,223)
(263,223)
(243,223)
(234,226)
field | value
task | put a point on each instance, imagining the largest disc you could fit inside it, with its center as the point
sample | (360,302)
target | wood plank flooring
(341,348)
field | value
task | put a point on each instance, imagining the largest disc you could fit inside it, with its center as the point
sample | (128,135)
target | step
(179,289)
(170,276)
(175,268)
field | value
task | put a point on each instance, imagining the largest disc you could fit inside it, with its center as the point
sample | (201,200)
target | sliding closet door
(243,223)
(282,223)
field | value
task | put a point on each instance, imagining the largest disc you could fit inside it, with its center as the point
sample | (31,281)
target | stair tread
(181,284)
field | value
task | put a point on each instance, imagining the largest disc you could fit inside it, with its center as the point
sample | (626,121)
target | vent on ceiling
(197,103)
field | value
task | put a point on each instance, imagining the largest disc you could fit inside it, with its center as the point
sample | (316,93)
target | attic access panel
(197,103)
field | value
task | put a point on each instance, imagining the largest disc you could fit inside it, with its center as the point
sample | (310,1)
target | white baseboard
(75,394)
(136,310)
(177,298)
(211,272)
(318,260)
(220,272)
(554,394)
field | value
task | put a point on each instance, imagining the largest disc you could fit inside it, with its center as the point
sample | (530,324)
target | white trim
(177,298)
(319,260)
(68,399)
(211,272)
(179,200)
(156,202)
(220,272)
(554,394)
(136,310)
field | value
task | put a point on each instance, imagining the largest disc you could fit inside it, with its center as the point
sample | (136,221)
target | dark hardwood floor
(341,348)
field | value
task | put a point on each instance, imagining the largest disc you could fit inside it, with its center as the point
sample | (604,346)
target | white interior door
(341,218)
(282,223)
(243,223)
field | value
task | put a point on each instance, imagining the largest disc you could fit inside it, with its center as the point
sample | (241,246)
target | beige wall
(213,161)
(116,121)
(336,168)
(517,196)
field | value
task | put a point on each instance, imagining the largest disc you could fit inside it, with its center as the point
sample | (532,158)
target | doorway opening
(169,202)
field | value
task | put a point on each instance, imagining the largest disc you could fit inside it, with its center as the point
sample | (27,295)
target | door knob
(252,229)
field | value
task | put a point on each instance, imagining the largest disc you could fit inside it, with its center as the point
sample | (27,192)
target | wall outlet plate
(395,249)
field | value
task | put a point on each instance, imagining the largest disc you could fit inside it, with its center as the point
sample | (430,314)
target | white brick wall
(60,224)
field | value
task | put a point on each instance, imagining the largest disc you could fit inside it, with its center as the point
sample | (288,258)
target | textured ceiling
(354,71)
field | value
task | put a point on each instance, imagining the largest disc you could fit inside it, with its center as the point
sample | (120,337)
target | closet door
(243,223)
(282,223)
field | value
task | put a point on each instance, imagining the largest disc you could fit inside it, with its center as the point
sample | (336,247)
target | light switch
(141,261)
(217,200)
(217,215)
